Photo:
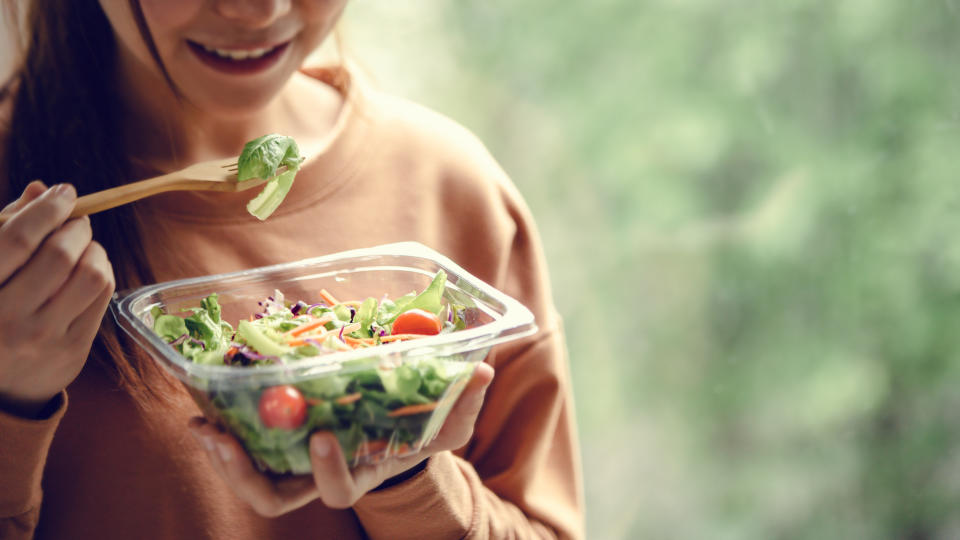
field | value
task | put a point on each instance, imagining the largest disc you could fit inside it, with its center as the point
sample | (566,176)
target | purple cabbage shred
(299,307)
(254,355)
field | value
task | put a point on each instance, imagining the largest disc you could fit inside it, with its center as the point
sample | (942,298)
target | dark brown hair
(65,128)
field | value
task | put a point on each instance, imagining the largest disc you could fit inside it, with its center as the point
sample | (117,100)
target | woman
(95,441)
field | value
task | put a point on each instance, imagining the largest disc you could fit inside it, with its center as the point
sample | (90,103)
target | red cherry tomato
(282,407)
(417,321)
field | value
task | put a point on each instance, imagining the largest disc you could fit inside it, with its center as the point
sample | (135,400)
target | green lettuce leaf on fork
(261,158)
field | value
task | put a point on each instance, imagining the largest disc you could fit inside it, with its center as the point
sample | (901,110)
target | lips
(238,61)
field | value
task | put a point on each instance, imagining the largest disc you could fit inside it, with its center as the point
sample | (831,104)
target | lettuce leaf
(169,327)
(258,340)
(272,195)
(261,158)
(428,300)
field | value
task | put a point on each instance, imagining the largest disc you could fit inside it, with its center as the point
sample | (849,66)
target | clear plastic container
(366,429)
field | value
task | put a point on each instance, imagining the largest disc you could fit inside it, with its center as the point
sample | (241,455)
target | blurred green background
(749,208)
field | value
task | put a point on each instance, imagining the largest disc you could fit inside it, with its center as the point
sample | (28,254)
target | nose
(253,13)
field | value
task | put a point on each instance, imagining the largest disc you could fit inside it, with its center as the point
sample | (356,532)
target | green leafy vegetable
(261,158)
(428,300)
(169,327)
(212,306)
(260,340)
(373,408)
(366,315)
(272,195)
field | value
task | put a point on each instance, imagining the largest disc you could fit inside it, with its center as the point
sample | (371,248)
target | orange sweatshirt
(101,467)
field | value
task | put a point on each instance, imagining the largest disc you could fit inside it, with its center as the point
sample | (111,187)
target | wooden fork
(218,175)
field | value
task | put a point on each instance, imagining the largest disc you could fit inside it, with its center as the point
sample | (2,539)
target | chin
(232,102)
(218,92)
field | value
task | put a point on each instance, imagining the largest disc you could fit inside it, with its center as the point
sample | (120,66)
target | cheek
(319,18)
(166,18)
(163,17)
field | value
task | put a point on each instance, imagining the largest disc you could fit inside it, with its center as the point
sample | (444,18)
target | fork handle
(134,191)
(127,193)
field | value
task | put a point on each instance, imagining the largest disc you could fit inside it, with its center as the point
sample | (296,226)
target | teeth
(237,54)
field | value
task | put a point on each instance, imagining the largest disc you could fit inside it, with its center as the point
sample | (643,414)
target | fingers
(32,191)
(482,376)
(268,498)
(22,234)
(50,267)
(83,328)
(334,482)
(232,464)
(80,303)
(458,427)
(339,486)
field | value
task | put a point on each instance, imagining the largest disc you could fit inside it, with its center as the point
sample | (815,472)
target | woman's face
(224,56)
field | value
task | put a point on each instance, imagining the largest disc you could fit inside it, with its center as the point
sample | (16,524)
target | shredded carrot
(349,398)
(309,326)
(251,318)
(313,401)
(328,298)
(414,409)
(400,337)
(323,335)
(359,342)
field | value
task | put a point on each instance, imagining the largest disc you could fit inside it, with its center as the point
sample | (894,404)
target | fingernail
(321,447)
(207,443)
(64,191)
(225,453)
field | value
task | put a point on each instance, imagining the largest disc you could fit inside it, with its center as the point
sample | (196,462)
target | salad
(262,158)
(374,408)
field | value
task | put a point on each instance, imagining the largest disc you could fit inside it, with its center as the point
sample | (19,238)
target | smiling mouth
(238,61)
(239,54)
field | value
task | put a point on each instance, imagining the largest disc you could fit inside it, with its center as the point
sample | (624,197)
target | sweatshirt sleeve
(519,477)
(23,454)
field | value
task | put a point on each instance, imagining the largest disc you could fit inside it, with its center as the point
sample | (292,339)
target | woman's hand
(332,481)
(55,284)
